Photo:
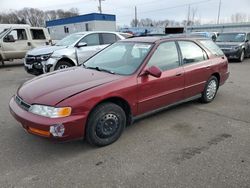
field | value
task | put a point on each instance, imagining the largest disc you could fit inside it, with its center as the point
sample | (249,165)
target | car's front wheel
(210,90)
(62,65)
(105,124)
(242,56)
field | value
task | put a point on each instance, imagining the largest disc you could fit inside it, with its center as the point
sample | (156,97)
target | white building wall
(58,32)
(104,26)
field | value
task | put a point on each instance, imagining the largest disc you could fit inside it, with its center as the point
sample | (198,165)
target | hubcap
(211,89)
(107,126)
(63,67)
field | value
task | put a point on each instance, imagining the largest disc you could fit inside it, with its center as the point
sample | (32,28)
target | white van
(16,40)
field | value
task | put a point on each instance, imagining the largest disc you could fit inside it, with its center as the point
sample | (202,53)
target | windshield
(231,37)
(69,40)
(122,58)
(3,32)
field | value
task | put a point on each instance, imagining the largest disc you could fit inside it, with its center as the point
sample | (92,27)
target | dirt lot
(191,145)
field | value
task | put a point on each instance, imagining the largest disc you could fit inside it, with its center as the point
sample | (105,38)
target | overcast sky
(207,10)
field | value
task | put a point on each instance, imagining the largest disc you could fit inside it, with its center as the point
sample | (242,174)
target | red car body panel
(82,89)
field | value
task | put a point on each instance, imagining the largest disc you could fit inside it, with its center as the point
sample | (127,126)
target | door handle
(29,43)
(208,67)
(178,74)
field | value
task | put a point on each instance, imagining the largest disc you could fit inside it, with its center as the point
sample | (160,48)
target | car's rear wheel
(242,56)
(105,124)
(62,65)
(210,90)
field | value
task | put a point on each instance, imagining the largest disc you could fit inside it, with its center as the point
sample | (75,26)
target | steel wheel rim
(211,89)
(63,67)
(107,126)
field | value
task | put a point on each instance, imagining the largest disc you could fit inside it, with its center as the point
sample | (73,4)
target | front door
(17,48)
(93,46)
(154,93)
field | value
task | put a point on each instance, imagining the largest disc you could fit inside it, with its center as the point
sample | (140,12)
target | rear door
(154,93)
(38,37)
(196,67)
(17,48)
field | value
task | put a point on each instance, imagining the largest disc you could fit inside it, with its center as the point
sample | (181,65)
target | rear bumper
(74,125)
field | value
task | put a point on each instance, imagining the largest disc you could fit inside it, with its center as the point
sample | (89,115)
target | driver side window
(91,40)
(165,57)
(18,34)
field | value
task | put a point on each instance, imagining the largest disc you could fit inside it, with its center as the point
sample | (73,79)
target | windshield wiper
(99,69)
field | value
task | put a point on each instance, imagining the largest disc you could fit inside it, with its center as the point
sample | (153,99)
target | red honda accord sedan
(125,81)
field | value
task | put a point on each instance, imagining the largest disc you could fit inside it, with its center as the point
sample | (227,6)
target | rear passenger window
(37,34)
(108,38)
(212,47)
(165,56)
(191,52)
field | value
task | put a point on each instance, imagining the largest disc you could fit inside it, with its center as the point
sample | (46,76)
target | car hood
(229,44)
(45,50)
(52,88)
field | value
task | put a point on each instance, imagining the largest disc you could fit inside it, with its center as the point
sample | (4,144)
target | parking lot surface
(190,145)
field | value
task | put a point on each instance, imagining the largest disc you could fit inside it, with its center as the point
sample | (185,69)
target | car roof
(155,39)
(89,32)
(143,39)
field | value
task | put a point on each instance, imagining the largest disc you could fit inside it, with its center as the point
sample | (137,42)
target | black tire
(105,124)
(242,56)
(63,65)
(208,96)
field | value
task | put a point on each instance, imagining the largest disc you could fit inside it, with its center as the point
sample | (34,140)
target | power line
(172,7)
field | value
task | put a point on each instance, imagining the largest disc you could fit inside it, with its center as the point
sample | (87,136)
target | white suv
(73,50)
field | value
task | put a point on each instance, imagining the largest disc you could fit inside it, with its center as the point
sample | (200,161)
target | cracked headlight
(44,57)
(51,112)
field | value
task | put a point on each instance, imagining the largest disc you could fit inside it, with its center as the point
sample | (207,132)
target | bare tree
(239,17)
(35,17)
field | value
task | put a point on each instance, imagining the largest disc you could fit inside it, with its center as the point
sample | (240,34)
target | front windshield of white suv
(3,32)
(69,40)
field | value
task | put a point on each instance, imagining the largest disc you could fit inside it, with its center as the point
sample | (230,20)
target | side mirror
(81,44)
(9,38)
(154,71)
(247,40)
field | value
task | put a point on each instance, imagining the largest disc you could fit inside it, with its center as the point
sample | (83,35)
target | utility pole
(136,21)
(218,19)
(100,6)
(188,18)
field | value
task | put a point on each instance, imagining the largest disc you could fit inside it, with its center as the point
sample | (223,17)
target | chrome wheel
(211,89)
(107,126)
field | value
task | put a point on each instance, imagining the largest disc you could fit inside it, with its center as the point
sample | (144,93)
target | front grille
(22,104)
(226,50)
